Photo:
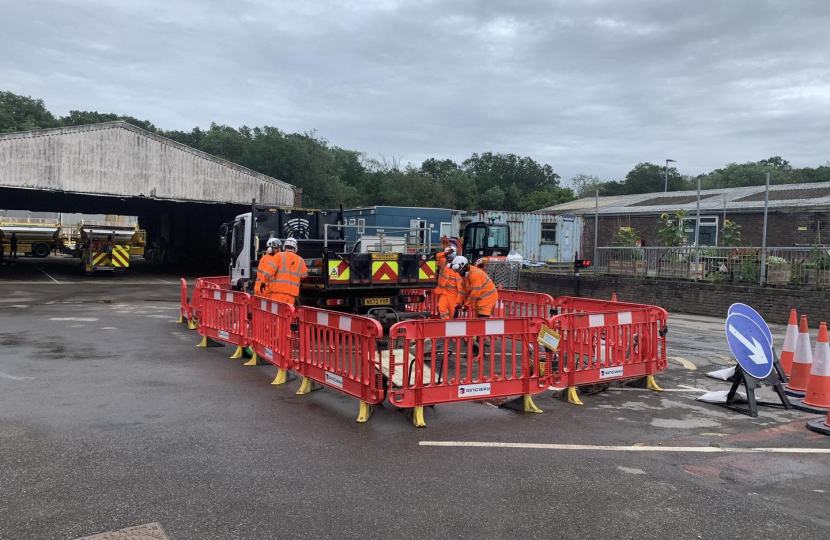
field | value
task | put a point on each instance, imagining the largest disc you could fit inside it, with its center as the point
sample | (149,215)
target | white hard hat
(290,243)
(453,249)
(274,243)
(459,262)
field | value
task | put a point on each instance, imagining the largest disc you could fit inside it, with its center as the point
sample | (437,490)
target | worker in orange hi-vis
(268,267)
(285,286)
(449,283)
(477,290)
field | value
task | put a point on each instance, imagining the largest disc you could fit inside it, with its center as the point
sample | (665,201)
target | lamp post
(666,190)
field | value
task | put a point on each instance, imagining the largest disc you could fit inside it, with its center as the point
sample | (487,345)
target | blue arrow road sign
(752,314)
(746,333)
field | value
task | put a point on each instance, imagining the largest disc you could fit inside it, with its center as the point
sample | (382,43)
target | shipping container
(536,237)
(374,219)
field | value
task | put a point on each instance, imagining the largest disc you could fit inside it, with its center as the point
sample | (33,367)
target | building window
(446,229)
(708,230)
(361,226)
(548,233)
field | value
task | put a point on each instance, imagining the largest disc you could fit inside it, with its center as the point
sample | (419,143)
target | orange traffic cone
(801,359)
(820,426)
(790,340)
(614,297)
(818,385)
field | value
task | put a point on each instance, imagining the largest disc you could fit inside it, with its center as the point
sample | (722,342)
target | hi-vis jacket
(449,282)
(266,271)
(479,288)
(291,270)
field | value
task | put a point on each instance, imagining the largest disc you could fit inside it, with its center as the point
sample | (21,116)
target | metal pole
(596,229)
(697,232)
(666,190)
(764,236)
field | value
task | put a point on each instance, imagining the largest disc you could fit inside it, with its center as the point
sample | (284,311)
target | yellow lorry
(36,237)
(104,246)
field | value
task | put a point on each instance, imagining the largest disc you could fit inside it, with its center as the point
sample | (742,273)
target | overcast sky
(588,86)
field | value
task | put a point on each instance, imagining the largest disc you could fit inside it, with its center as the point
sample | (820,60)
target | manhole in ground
(150,531)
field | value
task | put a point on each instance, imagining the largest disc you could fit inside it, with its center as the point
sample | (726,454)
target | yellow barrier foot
(280,378)
(529,406)
(365,413)
(308,386)
(204,342)
(572,397)
(416,414)
(207,342)
(254,361)
(651,384)
(237,353)
(192,324)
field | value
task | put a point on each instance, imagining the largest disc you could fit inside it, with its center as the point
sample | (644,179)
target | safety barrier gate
(341,351)
(184,304)
(523,304)
(436,361)
(224,317)
(602,347)
(219,282)
(271,334)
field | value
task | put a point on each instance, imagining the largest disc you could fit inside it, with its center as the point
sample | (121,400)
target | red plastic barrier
(435,361)
(340,351)
(224,316)
(219,282)
(573,304)
(184,305)
(603,347)
(271,331)
(523,304)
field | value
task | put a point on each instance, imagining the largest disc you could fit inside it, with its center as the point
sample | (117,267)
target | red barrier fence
(573,304)
(224,316)
(604,347)
(271,331)
(340,351)
(219,282)
(435,361)
(184,304)
(523,304)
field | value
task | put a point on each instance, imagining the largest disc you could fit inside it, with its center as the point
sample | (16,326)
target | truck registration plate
(377,302)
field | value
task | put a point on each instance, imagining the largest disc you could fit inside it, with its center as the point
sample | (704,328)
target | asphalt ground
(110,417)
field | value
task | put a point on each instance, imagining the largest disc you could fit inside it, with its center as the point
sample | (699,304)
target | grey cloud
(587,86)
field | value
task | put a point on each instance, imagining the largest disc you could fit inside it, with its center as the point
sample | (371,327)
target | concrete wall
(712,299)
(119,159)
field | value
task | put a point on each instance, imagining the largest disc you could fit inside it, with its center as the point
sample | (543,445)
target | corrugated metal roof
(815,195)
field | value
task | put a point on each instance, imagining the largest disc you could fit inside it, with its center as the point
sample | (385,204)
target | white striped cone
(802,359)
(788,350)
(818,386)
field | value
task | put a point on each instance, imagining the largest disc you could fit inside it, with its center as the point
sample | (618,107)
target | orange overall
(285,285)
(480,292)
(447,291)
(265,272)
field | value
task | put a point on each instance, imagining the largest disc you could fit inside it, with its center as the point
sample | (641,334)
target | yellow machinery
(36,237)
(104,246)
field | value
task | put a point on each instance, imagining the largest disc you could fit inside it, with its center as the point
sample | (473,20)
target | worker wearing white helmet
(268,267)
(478,290)
(285,286)
(449,283)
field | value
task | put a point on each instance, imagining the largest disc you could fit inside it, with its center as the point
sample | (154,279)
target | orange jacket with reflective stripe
(449,282)
(267,270)
(292,270)
(478,287)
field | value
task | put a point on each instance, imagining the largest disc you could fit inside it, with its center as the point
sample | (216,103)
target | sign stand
(750,383)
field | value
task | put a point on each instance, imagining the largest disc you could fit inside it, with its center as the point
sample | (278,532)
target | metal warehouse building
(798,215)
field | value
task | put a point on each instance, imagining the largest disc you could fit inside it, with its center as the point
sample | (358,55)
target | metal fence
(785,267)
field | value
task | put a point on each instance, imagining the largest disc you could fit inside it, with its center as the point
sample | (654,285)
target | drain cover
(150,531)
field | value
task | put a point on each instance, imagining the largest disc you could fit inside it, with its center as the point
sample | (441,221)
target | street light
(667,174)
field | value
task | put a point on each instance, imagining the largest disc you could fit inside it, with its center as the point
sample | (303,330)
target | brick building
(799,215)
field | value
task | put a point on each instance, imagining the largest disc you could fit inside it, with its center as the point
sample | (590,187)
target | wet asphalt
(111,417)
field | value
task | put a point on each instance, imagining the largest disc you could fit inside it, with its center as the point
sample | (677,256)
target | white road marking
(583,447)
(83,319)
(630,470)
(157,279)
(44,272)
(14,377)
(109,328)
(630,389)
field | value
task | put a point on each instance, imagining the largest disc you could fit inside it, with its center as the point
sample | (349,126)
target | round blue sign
(749,312)
(749,338)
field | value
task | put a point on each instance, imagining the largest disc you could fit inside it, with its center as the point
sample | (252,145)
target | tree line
(330,175)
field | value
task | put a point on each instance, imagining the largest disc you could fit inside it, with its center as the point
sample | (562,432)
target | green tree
(650,178)
(23,113)
(492,199)
(585,185)
(537,200)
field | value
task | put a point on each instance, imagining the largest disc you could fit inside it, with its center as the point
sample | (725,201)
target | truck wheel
(41,250)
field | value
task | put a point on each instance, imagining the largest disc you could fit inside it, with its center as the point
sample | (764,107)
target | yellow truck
(107,247)
(36,237)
